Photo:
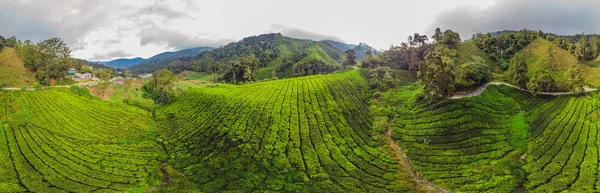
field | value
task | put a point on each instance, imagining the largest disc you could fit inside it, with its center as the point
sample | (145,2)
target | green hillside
(55,141)
(323,52)
(538,55)
(562,153)
(310,134)
(12,71)
(466,145)
(468,51)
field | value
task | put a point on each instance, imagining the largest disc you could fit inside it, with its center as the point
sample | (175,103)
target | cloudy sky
(108,29)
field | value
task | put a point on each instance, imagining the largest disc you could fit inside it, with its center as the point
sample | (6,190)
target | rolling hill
(123,62)
(164,57)
(271,50)
(309,134)
(55,141)
(538,55)
(12,71)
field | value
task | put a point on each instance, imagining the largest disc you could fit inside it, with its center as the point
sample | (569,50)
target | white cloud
(94,28)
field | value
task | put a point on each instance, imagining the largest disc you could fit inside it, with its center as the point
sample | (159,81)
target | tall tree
(575,79)
(55,60)
(160,88)
(542,81)
(367,62)
(581,49)
(517,71)
(437,36)
(350,58)
(437,74)
(11,42)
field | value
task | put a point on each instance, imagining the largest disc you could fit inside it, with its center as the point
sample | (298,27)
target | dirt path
(482,88)
(167,178)
(405,162)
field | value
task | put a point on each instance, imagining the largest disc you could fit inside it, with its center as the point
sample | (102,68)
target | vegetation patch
(301,134)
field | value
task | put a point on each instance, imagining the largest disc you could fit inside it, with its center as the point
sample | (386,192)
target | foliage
(267,56)
(437,72)
(147,104)
(36,85)
(472,74)
(575,80)
(81,91)
(517,71)
(49,58)
(384,78)
(542,81)
(161,87)
(313,135)
(350,58)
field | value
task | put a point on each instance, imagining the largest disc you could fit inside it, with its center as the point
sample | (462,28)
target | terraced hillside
(563,148)
(54,141)
(66,113)
(504,139)
(466,145)
(301,134)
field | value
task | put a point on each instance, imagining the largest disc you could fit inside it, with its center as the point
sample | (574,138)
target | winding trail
(405,162)
(482,88)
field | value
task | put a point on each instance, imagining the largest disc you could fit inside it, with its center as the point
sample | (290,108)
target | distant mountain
(274,54)
(123,62)
(359,50)
(165,58)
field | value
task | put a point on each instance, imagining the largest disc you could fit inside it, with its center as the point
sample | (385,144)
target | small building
(72,72)
(147,76)
(87,76)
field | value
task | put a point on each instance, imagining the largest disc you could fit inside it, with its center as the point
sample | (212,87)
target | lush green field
(301,134)
(466,145)
(55,141)
(563,148)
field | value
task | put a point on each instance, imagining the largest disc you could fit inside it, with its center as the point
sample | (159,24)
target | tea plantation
(310,134)
(56,141)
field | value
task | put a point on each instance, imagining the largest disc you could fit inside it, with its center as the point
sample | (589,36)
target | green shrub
(36,85)
(24,87)
(147,104)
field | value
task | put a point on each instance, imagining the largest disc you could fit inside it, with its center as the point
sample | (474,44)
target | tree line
(50,59)
(435,60)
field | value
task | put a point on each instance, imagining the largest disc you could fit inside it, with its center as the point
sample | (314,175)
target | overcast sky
(108,29)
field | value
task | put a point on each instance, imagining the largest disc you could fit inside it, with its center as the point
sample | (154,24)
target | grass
(12,71)
(518,131)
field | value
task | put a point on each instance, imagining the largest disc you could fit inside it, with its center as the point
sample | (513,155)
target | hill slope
(56,141)
(275,54)
(302,134)
(467,51)
(12,71)
(123,62)
(466,145)
(538,54)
